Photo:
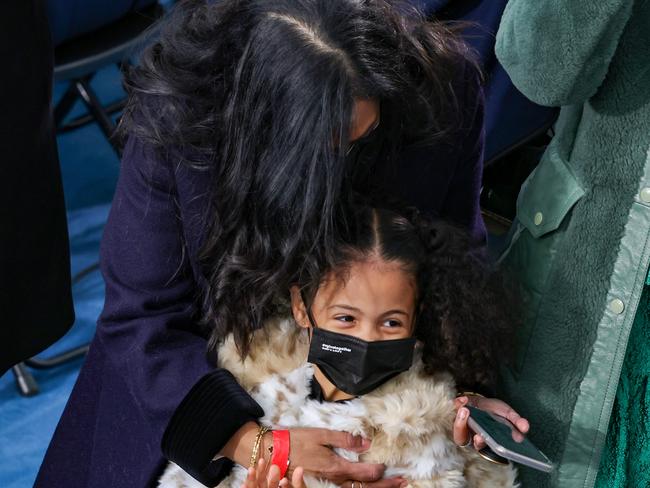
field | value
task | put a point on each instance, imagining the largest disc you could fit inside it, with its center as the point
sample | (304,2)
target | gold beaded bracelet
(256,446)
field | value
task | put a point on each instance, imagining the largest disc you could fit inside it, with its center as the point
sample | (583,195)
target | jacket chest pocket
(543,212)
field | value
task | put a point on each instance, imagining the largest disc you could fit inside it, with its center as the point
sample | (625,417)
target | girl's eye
(345,318)
(392,323)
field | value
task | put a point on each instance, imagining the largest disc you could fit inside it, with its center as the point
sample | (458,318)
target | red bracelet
(281,443)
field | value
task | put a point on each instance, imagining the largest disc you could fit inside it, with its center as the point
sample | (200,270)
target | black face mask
(355,366)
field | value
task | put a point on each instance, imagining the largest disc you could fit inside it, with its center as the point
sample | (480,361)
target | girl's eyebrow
(346,307)
(354,309)
(396,311)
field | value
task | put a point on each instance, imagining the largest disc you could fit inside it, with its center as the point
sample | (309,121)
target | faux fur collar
(408,419)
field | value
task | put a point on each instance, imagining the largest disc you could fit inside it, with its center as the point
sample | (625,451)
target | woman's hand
(312,449)
(462,432)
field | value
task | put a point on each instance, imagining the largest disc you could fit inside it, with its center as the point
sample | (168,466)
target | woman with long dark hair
(250,123)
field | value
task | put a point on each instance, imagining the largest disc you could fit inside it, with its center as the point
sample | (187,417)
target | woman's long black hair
(467,311)
(259,95)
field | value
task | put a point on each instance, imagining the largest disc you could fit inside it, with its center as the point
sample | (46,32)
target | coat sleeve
(557,52)
(148,326)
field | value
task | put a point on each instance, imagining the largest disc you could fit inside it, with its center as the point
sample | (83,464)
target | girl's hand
(256,478)
(493,405)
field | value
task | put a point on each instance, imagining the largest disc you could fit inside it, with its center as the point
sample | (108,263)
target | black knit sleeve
(209,415)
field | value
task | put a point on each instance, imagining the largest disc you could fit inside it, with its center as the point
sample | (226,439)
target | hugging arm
(148,328)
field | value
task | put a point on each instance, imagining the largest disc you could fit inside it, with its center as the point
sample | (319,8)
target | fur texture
(571,347)
(409,419)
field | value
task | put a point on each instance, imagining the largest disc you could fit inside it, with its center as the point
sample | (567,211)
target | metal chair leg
(93,104)
(64,105)
(25,382)
(82,120)
(81,88)
(59,359)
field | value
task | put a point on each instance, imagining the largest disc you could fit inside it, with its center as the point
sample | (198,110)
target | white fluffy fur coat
(409,419)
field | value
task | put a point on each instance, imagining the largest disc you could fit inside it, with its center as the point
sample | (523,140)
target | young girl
(401,315)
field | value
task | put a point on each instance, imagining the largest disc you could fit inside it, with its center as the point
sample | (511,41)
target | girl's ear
(298,307)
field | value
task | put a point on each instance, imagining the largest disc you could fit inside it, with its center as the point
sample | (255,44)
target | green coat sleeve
(557,52)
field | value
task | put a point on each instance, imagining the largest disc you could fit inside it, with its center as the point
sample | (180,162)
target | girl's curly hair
(466,312)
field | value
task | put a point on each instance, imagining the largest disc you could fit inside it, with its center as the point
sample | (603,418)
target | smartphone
(506,441)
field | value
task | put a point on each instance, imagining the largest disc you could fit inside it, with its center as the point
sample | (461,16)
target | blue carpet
(89,167)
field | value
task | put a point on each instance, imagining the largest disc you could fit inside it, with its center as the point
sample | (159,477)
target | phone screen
(505,434)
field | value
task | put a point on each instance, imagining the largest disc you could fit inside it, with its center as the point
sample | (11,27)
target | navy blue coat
(147,376)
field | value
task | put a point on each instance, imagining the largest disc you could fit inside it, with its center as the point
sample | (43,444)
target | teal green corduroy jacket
(582,242)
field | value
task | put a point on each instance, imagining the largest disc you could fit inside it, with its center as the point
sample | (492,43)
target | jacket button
(539,218)
(645,195)
(617,306)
